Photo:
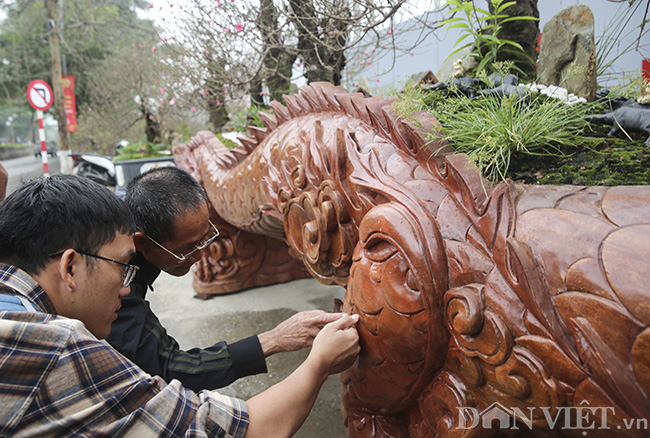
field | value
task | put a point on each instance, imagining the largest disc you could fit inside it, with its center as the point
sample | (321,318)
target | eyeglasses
(199,246)
(129,270)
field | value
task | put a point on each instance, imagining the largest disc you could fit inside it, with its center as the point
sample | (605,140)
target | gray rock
(567,55)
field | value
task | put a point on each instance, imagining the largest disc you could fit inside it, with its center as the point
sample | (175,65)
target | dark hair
(50,214)
(160,196)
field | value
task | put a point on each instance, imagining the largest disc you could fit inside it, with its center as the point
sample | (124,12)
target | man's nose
(195,257)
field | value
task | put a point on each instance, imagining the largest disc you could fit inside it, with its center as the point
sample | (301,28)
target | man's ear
(140,241)
(69,267)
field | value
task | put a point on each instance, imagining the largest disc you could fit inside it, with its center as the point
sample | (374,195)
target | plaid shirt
(57,379)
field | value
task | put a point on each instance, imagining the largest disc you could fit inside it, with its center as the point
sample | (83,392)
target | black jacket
(138,335)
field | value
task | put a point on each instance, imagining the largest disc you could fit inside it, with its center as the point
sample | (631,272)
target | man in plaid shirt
(65,244)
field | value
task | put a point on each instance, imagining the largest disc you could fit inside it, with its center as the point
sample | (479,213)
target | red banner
(70,102)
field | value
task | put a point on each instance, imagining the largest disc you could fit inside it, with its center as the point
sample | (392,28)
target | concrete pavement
(200,323)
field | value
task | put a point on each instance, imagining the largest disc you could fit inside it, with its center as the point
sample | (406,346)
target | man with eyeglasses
(65,246)
(172,220)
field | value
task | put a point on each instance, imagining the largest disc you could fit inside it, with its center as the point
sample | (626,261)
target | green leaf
(512,43)
(458,50)
(461,39)
(503,6)
(527,18)
(492,38)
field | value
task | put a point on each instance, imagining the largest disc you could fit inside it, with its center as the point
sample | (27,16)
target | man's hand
(283,408)
(296,332)
(337,345)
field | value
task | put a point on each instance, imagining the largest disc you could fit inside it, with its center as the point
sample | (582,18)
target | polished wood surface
(477,302)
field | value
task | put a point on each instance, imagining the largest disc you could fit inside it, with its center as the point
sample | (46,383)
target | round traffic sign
(39,94)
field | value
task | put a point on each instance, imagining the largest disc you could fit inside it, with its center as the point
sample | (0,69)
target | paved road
(25,168)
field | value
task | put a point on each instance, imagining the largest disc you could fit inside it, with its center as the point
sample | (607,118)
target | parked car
(50,146)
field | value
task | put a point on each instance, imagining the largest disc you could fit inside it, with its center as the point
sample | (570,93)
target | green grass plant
(250,116)
(493,129)
(226,141)
(622,34)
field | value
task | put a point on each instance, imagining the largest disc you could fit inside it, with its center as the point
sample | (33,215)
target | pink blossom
(227,30)
(390,32)
(378,80)
(193,109)
(218,102)
(411,54)
(140,45)
(203,92)
(223,88)
(151,5)
(115,72)
(162,90)
(239,27)
(173,101)
(133,84)
(153,50)
(207,52)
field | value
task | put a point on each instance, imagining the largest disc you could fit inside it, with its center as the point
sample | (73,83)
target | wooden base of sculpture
(240,260)
(484,310)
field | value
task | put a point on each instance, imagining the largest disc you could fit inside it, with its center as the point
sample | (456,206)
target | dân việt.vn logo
(583,417)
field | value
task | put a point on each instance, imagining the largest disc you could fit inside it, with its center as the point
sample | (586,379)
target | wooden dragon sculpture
(484,309)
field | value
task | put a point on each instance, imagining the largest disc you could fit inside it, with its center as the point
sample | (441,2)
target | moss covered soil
(600,161)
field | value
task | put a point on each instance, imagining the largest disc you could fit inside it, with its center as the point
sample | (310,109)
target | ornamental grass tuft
(491,129)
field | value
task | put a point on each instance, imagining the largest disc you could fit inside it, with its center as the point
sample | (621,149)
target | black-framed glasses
(199,246)
(129,270)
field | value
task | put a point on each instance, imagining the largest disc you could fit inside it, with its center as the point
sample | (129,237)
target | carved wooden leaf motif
(471,296)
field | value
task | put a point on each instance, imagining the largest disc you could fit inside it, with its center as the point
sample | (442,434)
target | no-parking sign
(39,95)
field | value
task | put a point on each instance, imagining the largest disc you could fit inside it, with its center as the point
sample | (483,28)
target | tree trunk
(319,47)
(524,32)
(152,127)
(278,62)
(57,88)
(217,106)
